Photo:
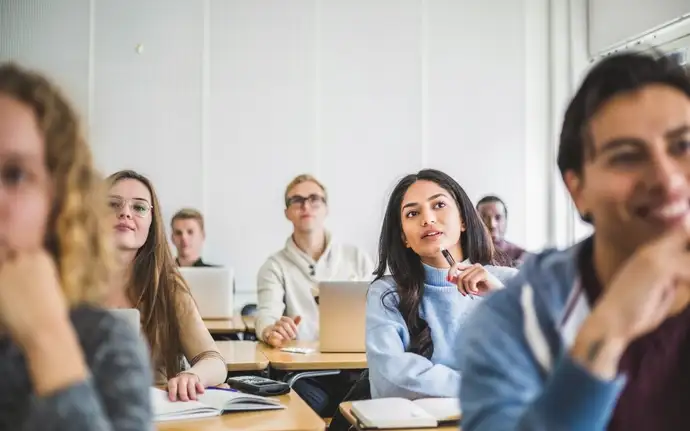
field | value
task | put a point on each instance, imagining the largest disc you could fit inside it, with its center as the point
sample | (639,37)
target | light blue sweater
(518,373)
(395,373)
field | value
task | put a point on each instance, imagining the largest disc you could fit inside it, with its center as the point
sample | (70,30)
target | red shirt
(656,396)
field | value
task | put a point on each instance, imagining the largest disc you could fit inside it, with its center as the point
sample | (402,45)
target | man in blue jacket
(598,336)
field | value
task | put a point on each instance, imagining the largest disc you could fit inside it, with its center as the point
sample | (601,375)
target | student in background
(596,337)
(415,313)
(287,282)
(65,363)
(151,283)
(188,235)
(494,213)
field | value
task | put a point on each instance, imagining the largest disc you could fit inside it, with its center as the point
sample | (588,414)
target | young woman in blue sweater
(415,314)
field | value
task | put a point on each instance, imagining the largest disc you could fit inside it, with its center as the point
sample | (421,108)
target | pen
(451,262)
(215,388)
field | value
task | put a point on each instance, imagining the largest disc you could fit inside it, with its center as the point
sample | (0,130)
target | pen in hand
(451,262)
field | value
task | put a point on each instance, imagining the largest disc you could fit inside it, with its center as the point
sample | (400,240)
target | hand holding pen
(471,279)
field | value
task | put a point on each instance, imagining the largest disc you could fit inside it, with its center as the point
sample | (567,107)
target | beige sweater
(288,282)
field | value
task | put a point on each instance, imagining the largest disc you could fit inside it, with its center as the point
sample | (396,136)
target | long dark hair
(406,266)
(156,286)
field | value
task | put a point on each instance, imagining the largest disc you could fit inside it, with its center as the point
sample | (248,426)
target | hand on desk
(282,331)
(185,386)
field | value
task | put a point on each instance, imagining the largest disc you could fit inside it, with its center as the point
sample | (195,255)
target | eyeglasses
(313,199)
(138,207)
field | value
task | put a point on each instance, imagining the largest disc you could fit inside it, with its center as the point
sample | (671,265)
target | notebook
(214,402)
(387,413)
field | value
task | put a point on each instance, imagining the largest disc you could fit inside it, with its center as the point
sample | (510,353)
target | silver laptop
(342,307)
(130,315)
(212,290)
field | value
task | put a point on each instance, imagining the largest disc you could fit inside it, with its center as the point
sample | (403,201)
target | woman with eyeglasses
(152,284)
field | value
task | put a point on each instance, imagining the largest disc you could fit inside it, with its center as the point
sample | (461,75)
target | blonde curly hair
(78,235)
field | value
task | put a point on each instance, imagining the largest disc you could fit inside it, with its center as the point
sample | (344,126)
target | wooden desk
(345,409)
(233,325)
(312,361)
(242,355)
(296,417)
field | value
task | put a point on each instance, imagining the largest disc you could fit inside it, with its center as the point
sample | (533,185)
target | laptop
(342,307)
(212,290)
(130,315)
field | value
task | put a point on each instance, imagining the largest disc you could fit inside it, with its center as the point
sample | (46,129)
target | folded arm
(505,388)
(114,397)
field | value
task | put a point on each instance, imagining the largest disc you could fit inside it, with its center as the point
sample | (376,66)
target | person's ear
(463,228)
(575,184)
(404,240)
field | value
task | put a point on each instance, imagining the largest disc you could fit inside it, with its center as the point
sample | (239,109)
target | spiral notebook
(214,402)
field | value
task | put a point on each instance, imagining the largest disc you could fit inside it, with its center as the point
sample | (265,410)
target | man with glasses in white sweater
(287,283)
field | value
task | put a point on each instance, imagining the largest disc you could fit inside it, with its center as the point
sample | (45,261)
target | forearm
(75,408)
(262,327)
(412,376)
(270,299)
(263,335)
(54,359)
(64,397)
(573,399)
(597,349)
(211,371)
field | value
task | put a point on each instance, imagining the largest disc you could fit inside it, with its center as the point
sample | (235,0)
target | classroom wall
(222,102)
(613,22)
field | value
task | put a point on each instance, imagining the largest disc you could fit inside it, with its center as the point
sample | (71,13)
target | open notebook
(213,402)
(387,413)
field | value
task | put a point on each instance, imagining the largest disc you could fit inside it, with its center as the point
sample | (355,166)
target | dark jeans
(324,394)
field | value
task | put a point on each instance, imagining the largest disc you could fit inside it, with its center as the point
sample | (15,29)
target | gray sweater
(115,397)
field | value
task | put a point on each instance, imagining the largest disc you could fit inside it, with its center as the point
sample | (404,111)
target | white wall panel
(53,37)
(261,109)
(370,108)
(476,83)
(147,107)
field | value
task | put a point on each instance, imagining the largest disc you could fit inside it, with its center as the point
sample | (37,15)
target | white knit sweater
(288,283)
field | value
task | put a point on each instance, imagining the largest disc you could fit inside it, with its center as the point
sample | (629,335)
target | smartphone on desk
(256,385)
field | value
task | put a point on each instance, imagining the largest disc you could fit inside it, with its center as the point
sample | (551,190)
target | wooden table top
(296,417)
(312,361)
(242,355)
(346,410)
(234,325)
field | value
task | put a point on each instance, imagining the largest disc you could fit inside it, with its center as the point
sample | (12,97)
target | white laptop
(342,306)
(130,315)
(212,289)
